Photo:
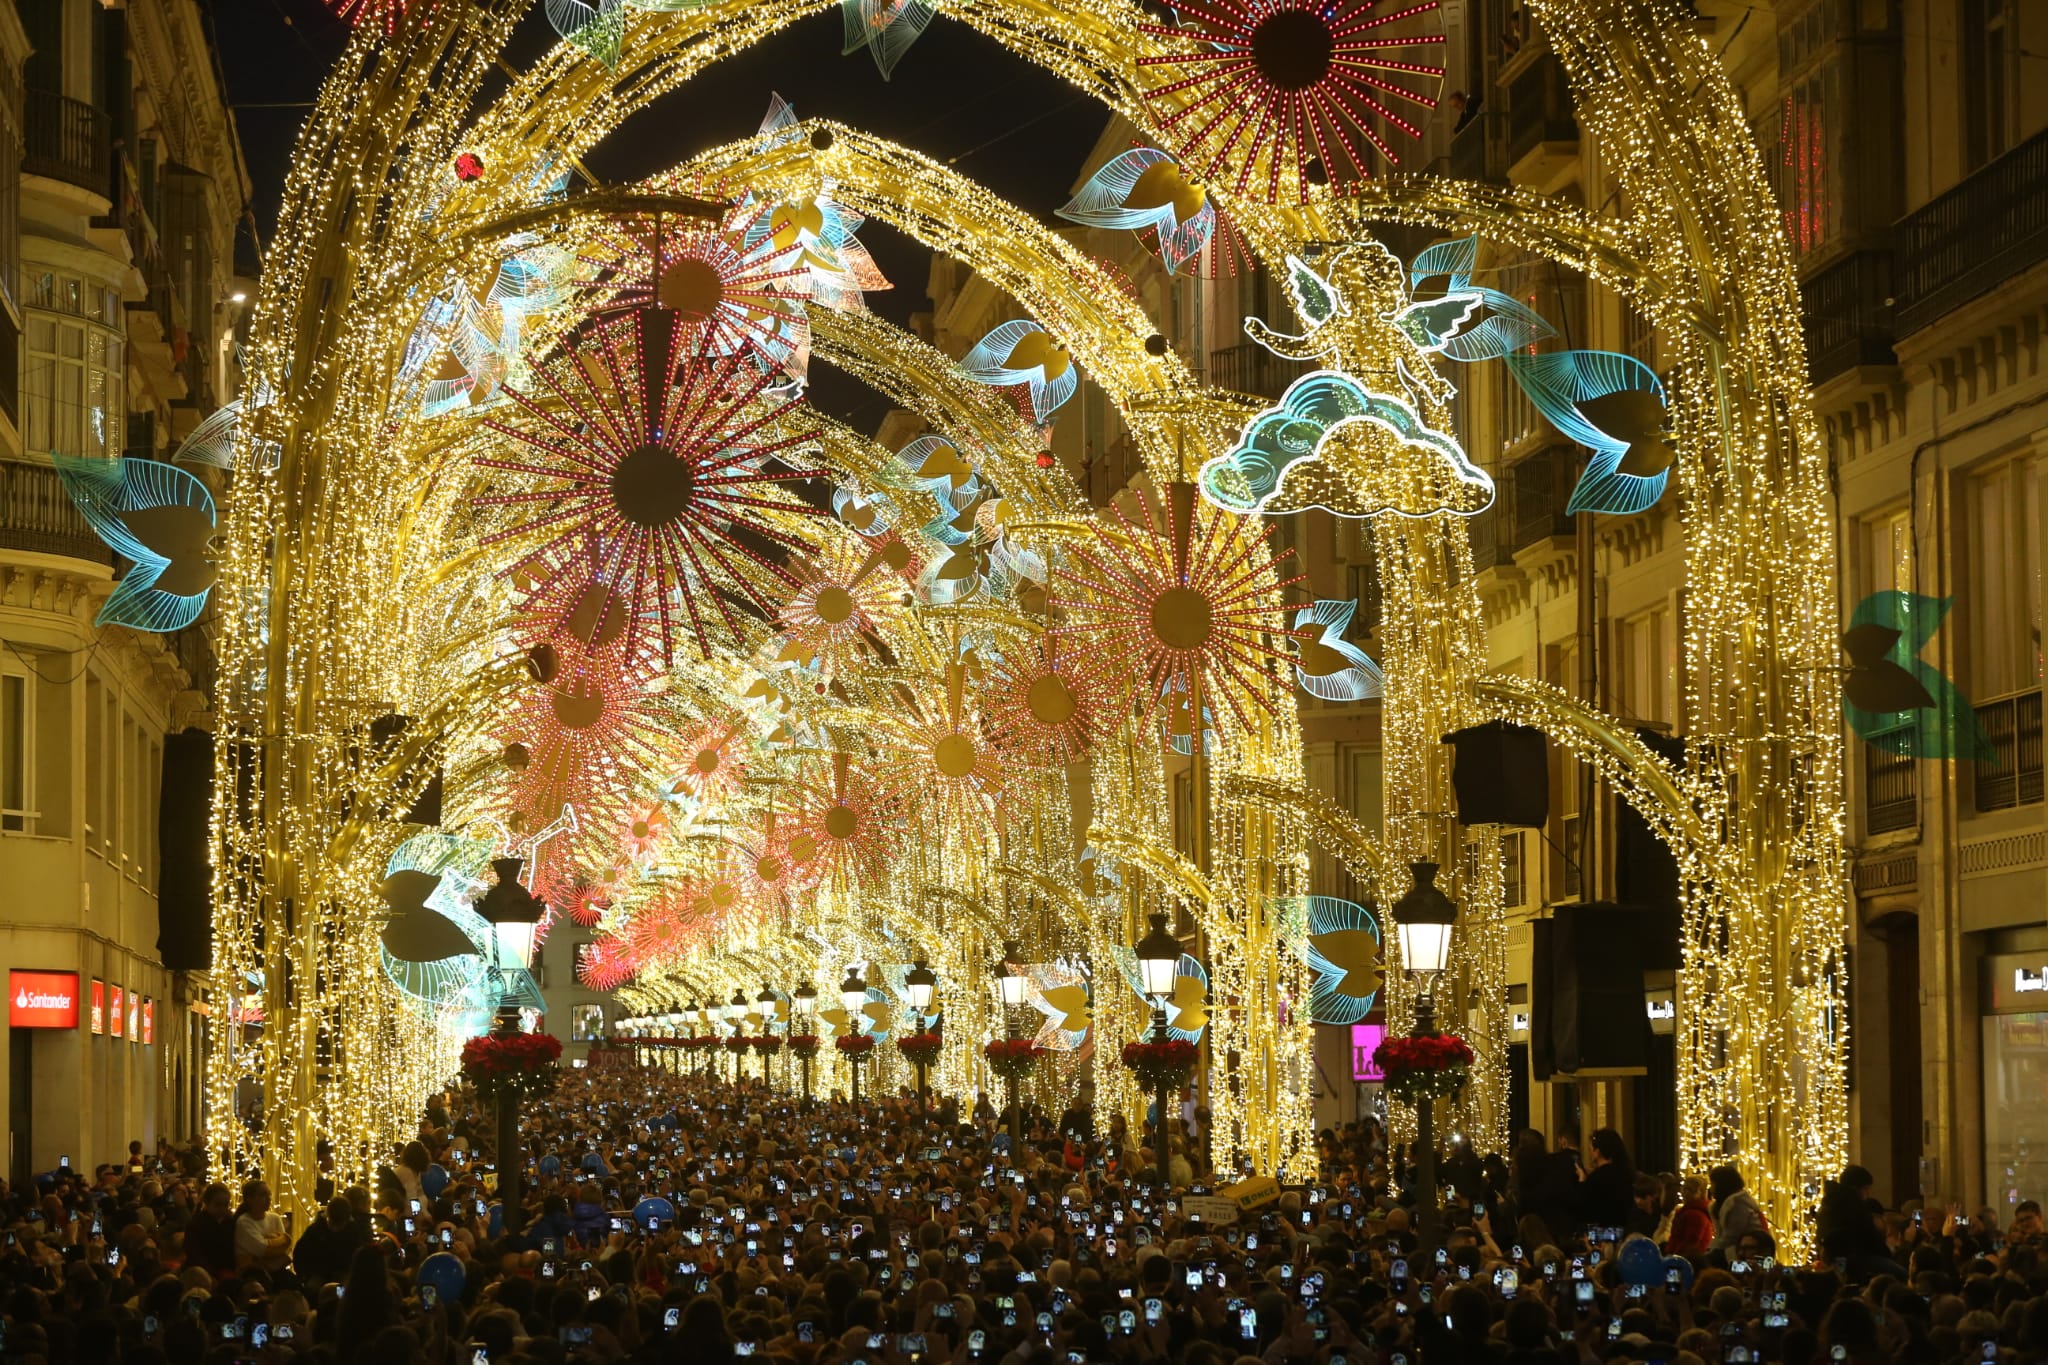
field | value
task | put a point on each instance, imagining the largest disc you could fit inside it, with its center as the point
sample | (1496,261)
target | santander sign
(42,999)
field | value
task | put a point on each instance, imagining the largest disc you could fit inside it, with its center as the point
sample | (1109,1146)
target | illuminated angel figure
(1042,707)
(605,963)
(1144,190)
(1289,90)
(732,295)
(1022,352)
(1195,601)
(668,475)
(886,28)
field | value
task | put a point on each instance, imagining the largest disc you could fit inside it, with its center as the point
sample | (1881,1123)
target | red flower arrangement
(1420,1067)
(804,1044)
(855,1045)
(1163,1065)
(767,1045)
(1013,1058)
(468,166)
(739,1042)
(920,1049)
(513,1065)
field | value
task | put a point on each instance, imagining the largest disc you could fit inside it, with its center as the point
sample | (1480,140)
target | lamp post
(514,916)
(768,1006)
(1423,920)
(736,1015)
(1010,984)
(920,985)
(694,1016)
(805,1001)
(1158,964)
(853,995)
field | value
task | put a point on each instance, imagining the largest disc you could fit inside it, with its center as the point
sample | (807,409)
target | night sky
(956,96)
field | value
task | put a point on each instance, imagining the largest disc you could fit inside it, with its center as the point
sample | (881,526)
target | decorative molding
(1892,872)
(1981,857)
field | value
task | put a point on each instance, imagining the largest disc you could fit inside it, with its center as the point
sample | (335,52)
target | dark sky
(955,96)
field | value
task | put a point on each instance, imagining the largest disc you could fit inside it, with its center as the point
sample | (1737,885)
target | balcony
(37,515)
(1251,368)
(1473,155)
(1849,315)
(2011,775)
(1490,547)
(68,140)
(1972,239)
(1542,134)
(1891,791)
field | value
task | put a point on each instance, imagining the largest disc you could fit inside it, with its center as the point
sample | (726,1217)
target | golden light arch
(1714,275)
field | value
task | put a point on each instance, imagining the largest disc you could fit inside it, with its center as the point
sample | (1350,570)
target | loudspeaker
(1593,1014)
(1645,873)
(1501,774)
(184,898)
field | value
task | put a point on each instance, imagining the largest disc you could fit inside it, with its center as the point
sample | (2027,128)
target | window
(2004,584)
(17,751)
(1990,48)
(1646,662)
(1888,552)
(74,395)
(1800,152)
(1513,892)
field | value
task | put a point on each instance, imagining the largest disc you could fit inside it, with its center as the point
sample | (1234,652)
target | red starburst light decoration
(380,14)
(1297,90)
(1041,706)
(731,298)
(1190,604)
(586,738)
(661,930)
(660,468)
(605,963)
(856,830)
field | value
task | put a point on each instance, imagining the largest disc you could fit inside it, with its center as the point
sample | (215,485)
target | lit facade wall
(119,202)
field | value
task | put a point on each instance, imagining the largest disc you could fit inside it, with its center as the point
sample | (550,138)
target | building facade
(123,198)
(1908,147)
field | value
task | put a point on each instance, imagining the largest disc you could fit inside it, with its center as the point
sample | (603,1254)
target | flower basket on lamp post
(1423,1067)
(1013,1059)
(766,1046)
(804,1046)
(855,1047)
(920,1050)
(505,1067)
(1162,1065)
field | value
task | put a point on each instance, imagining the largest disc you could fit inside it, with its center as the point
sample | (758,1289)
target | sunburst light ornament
(1041,706)
(1192,606)
(855,828)
(1291,93)
(605,963)
(665,467)
(583,738)
(841,599)
(733,288)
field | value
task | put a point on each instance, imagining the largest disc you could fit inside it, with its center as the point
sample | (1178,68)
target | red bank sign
(42,999)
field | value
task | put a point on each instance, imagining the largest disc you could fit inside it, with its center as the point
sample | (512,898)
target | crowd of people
(670,1217)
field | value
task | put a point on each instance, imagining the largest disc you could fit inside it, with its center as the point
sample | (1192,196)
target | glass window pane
(2015,1109)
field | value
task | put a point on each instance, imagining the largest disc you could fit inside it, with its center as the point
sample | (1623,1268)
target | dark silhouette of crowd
(675,1218)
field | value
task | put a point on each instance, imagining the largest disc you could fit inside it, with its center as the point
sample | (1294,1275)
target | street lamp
(1423,920)
(769,1006)
(514,916)
(853,995)
(1011,986)
(920,985)
(1158,964)
(804,1001)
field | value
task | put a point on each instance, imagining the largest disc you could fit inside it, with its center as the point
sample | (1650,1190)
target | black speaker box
(184,901)
(1501,774)
(1592,1015)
